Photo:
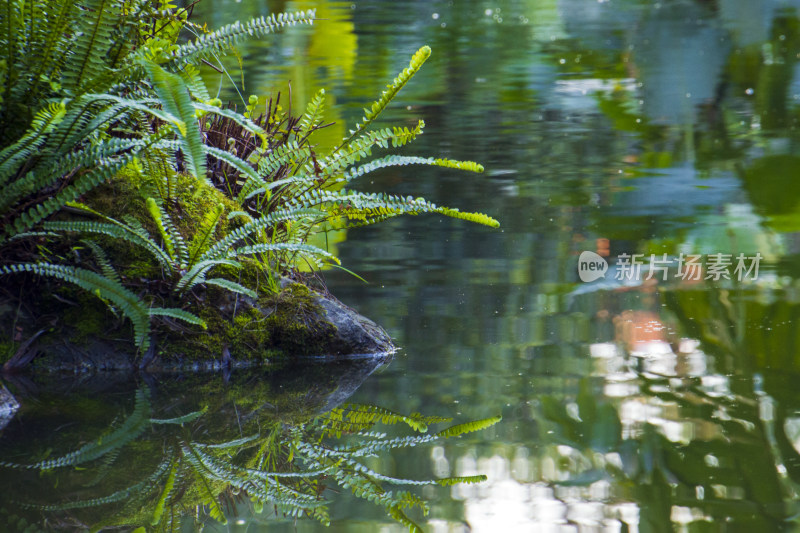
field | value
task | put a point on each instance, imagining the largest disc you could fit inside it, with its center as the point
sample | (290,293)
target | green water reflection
(663,127)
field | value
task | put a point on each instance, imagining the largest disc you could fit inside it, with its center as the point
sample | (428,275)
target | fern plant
(84,93)
(119,92)
(286,172)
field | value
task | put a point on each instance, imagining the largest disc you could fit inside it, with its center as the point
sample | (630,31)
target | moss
(7,349)
(282,325)
(294,321)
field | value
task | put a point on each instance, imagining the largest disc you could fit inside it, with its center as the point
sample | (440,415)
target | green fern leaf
(197,274)
(225,38)
(205,232)
(162,500)
(175,98)
(125,300)
(313,115)
(469,427)
(224,247)
(180,314)
(173,241)
(449,481)
(180,420)
(306,250)
(232,286)
(43,122)
(103,260)
(133,426)
(391,91)
(90,48)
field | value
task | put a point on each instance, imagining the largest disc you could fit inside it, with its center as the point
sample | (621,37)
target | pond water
(656,398)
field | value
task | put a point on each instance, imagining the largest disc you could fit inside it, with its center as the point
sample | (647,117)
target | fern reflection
(206,465)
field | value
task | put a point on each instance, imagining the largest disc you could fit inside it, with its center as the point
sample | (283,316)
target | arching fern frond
(175,97)
(173,241)
(389,93)
(115,230)
(469,427)
(91,45)
(122,298)
(223,247)
(133,426)
(232,286)
(102,260)
(313,115)
(361,147)
(43,122)
(225,38)
(197,273)
(399,160)
(180,314)
(203,237)
(306,250)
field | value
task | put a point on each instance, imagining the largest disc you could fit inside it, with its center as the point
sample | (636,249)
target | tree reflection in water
(664,442)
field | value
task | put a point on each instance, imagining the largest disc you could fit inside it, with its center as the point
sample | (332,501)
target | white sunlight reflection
(523,493)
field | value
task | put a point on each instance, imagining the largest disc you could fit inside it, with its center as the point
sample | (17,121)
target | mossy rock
(297,322)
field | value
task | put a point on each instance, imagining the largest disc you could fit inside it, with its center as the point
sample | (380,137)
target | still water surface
(612,126)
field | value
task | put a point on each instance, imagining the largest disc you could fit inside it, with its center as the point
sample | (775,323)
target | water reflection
(257,450)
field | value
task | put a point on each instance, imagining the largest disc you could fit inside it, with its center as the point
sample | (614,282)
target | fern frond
(48,173)
(234,161)
(180,314)
(477,218)
(205,232)
(102,259)
(162,500)
(92,43)
(104,171)
(469,427)
(379,206)
(209,497)
(139,489)
(173,242)
(194,82)
(417,60)
(175,98)
(115,230)
(307,250)
(235,443)
(223,247)
(197,274)
(125,300)
(211,44)
(43,122)
(367,415)
(361,147)
(167,115)
(285,154)
(133,426)
(397,513)
(313,115)
(180,420)
(236,118)
(399,160)
(450,481)
(232,286)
